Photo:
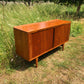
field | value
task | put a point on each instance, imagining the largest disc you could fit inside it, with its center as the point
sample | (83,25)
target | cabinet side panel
(42,41)
(21,43)
(61,34)
(68,30)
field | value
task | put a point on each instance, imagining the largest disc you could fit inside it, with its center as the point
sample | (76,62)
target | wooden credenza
(36,39)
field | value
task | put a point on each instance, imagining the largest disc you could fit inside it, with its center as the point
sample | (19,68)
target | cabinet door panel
(61,34)
(41,41)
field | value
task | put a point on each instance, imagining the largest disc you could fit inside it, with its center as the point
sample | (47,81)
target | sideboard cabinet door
(41,41)
(61,34)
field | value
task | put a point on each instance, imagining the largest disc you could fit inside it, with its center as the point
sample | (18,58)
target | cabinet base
(37,57)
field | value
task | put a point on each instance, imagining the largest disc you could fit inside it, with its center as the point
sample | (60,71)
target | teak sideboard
(36,39)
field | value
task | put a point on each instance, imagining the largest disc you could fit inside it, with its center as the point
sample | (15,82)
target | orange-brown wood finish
(36,62)
(41,41)
(34,40)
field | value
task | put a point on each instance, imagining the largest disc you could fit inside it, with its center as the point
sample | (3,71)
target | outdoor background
(56,66)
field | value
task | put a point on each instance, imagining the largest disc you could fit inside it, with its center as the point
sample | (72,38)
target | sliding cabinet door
(41,42)
(61,34)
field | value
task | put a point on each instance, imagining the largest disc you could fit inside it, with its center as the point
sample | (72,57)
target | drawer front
(61,34)
(41,41)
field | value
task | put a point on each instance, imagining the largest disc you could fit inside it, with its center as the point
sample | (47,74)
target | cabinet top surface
(33,27)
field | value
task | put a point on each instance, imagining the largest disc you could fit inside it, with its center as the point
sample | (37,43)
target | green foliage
(20,14)
(76,29)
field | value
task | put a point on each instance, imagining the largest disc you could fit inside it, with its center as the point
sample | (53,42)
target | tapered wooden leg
(36,62)
(63,47)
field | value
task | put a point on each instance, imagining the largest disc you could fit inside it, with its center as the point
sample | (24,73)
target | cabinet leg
(63,47)
(36,62)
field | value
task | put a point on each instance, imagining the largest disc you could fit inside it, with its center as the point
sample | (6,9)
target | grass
(76,29)
(19,14)
(43,63)
(61,66)
(65,64)
(11,82)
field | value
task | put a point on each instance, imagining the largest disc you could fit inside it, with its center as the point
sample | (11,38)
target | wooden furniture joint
(36,39)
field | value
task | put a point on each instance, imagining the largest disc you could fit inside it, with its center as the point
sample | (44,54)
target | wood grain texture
(42,41)
(21,43)
(34,40)
(46,51)
(34,27)
(61,34)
